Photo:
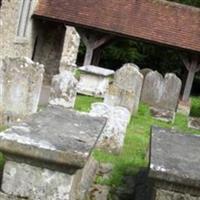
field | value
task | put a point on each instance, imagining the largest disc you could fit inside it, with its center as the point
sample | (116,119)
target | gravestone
(161,94)
(112,138)
(174,165)
(47,156)
(63,90)
(145,71)
(21,82)
(194,122)
(126,88)
(94,80)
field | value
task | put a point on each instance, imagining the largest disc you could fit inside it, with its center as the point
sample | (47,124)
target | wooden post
(193,66)
(92,41)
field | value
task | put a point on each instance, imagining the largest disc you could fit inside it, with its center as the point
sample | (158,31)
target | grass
(134,153)
(195,111)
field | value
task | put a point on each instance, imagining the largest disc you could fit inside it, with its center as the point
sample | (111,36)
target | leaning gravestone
(161,93)
(47,156)
(94,80)
(126,88)
(112,138)
(174,165)
(63,90)
(21,82)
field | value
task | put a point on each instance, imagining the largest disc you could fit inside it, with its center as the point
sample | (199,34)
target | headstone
(184,107)
(174,165)
(94,80)
(126,88)
(21,82)
(145,71)
(46,155)
(112,138)
(63,90)
(194,122)
(161,92)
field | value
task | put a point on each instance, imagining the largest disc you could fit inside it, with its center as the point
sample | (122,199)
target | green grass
(195,110)
(134,153)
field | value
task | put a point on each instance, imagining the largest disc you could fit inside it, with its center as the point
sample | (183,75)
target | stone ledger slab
(174,163)
(55,135)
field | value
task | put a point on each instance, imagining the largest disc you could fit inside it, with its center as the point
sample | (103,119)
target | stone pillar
(126,88)
(63,90)
(20,88)
(174,165)
(47,156)
(70,50)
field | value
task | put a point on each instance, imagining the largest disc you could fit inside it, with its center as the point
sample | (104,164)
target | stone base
(184,108)
(194,122)
(161,194)
(163,115)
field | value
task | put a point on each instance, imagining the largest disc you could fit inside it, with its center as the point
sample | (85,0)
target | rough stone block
(161,92)
(63,90)
(20,87)
(126,88)
(174,164)
(94,80)
(22,180)
(54,135)
(112,138)
(184,107)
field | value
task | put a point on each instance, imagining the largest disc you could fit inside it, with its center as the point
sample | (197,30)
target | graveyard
(99,100)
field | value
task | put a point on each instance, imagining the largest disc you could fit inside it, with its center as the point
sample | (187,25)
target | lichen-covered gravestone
(63,90)
(112,137)
(94,80)
(126,88)
(161,93)
(21,82)
(174,165)
(47,156)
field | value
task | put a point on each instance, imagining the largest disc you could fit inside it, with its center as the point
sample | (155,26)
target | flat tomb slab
(55,135)
(96,70)
(175,158)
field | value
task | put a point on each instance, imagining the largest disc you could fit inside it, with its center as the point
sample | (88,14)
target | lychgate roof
(157,21)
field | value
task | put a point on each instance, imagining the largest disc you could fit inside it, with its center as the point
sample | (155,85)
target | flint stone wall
(63,90)
(70,49)
(94,80)
(126,88)
(112,138)
(161,92)
(21,82)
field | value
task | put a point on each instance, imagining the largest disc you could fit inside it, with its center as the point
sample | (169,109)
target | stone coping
(55,135)
(96,70)
(175,157)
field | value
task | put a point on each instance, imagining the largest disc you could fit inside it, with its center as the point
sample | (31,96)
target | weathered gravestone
(174,165)
(21,82)
(161,93)
(94,80)
(145,71)
(126,88)
(47,155)
(112,138)
(194,122)
(63,90)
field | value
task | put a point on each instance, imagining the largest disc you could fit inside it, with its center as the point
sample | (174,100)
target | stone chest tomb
(94,80)
(47,156)
(174,165)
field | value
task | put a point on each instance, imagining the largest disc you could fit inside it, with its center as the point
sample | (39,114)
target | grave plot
(174,165)
(94,80)
(162,94)
(126,88)
(21,82)
(47,156)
